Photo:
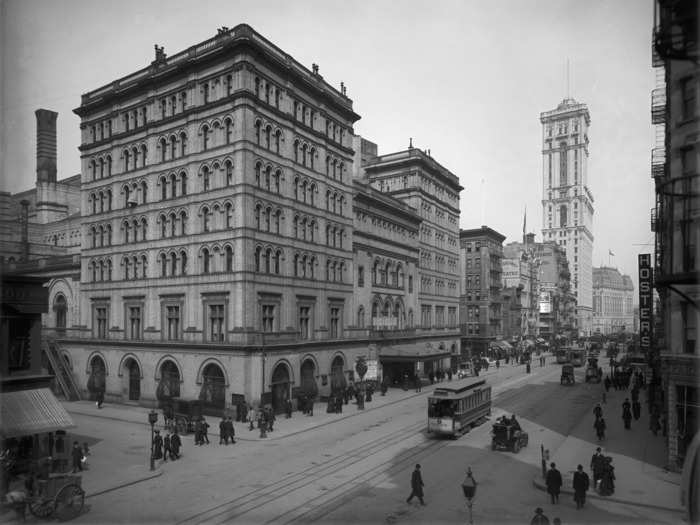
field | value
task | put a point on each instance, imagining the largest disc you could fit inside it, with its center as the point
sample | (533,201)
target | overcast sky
(466,79)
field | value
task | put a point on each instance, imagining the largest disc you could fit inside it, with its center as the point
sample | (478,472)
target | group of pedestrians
(167,447)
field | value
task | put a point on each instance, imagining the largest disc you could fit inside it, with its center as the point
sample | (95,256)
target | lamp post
(469,489)
(152,418)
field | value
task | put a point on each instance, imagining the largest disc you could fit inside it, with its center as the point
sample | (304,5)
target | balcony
(658,106)
(658,162)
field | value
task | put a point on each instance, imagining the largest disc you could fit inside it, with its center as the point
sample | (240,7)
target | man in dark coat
(600,426)
(598,411)
(597,465)
(100,398)
(553,482)
(581,484)
(288,408)
(157,445)
(636,409)
(204,436)
(627,413)
(77,457)
(223,434)
(416,486)
(175,444)
(539,518)
(230,431)
(167,449)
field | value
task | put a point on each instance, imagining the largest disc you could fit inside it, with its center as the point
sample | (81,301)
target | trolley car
(562,356)
(576,356)
(453,411)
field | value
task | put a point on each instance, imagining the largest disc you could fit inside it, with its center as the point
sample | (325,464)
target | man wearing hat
(553,482)
(539,518)
(157,445)
(581,484)
(416,486)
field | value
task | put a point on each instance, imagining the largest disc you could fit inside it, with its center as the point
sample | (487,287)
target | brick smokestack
(45,145)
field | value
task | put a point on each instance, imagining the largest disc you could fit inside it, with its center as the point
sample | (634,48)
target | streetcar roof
(460,391)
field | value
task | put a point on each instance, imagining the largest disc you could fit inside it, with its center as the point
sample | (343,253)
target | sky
(465,79)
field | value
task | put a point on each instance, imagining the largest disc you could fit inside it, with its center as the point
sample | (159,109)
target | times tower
(567,202)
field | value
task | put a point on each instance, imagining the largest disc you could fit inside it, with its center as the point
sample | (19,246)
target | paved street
(355,467)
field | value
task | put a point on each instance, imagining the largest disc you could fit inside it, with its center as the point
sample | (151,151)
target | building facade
(521,273)
(613,298)
(567,201)
(481,276)
(557,302)
(675,355)
(219,256)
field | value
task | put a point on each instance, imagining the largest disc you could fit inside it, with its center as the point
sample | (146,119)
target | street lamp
(152,418)
(469,489)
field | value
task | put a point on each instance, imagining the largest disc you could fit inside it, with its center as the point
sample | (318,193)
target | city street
(357,469)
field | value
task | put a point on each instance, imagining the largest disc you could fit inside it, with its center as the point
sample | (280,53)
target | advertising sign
(545,303)
(372,369)
(646,301)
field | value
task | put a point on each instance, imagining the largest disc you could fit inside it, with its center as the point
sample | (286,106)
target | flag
(611,253)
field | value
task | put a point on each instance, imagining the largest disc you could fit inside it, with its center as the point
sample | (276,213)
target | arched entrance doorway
(308,378)
(169,384)
(96,381)
(213,392)
(280,387)
(133,374)
(338,381)
(60,308)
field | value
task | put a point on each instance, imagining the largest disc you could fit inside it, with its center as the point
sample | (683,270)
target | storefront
(406,361)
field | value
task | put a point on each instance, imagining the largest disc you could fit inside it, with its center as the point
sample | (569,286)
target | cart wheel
(181,424)
(41,507)
(516,447)
(69,502)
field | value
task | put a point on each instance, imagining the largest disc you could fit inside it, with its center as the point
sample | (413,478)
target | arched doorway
(280,387)
(60,308)
(338,381)
(133,372)
(308,378)
(96,381)
(169,384)
(213,392)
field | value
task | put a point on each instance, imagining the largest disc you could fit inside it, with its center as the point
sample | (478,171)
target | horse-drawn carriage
(567,375)
(181,414)
(59,496)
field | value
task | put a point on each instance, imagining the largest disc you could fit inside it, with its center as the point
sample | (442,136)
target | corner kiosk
(454,411)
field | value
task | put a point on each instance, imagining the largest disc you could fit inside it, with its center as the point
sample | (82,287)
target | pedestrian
(310,406)
(598,411)
(431,377)
(262,424)
(627,413)
(288,408)
(498,363)
(553,482)
(607,481)
(223,434)
(581,484)
(205,431)
(198,432)
(251,418)
(175,444)
(416,380)
(416,486)
(168,416)
(157,445)
(607,382)
(539,518)
(597,465)
(600,427)
(636,409)
(449,374)
(230,430)
(77,456)
(100,398)
(167,450)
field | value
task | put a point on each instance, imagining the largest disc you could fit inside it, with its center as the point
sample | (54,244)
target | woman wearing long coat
(416,486)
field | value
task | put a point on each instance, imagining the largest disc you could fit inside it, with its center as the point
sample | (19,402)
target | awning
(503,345)
(27,412)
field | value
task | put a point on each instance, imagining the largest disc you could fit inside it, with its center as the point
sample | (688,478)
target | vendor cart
(60,496)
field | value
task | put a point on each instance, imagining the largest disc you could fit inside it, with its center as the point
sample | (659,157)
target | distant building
(557,300)
(481,275)
(521,269)
(613,297)
(567,201)
(675,355)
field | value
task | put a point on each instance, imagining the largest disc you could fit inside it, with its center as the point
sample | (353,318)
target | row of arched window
(305,190)
(101,235)
(218,132)
(100,269)
(173,185)
(217,259)
(335,168)
(304,228)
(101,167)
(100,201)
(388,273)
(267,177)
(173,263)
(304,265)
(335,202)
(304,153)
(268,136)
(173,146)
(334,236)
(334,131)
(267,91)
(267,218)
(134,157)
(335,271)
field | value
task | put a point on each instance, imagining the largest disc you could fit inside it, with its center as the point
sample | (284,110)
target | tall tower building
(567,202)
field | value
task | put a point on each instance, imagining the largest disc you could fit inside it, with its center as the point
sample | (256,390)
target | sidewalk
(638,456)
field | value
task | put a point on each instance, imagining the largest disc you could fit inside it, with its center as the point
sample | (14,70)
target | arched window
(183,183)
(163,226)
(276,181)
(205,137)
(268,136)
(312,227)
(183,144)
(229,259)
(163,148)
(268,212)
(228,212)
(277,257)
(341,168)
(258,125)
(257,174)
(144,154)
(109,269)
(562,216)
(276,221)
(173,224)
(205,93)
(127,263)
(93,236)
(144,192)
(228,130)
(163,188)
(109,235)
(258,253)
(93,270)
(173,264)
(257,87)
(173,186)
(361,317)
(183,223)
(126,160)
(183,263)
(296,188)
(268,259)
(206,178)
(278,139)
(258,211)
(304,152)
(312,193)
(102,168)
(205,260)
(312,154)
(163,265)
(229,173)
(109,166)
(127,228)
(205,219)
(144,229)
(296,151)
(268,171)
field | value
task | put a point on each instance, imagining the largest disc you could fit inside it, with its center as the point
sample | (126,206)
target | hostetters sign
(646,301)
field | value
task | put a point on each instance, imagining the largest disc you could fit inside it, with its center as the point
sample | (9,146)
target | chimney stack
(45,145)
(24,223)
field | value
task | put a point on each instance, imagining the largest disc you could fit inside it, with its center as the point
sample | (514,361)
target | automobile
(464,370)
(567,374)
(505,436)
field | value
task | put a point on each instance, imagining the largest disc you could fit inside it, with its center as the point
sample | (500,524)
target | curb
(126,484)
(592,495)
